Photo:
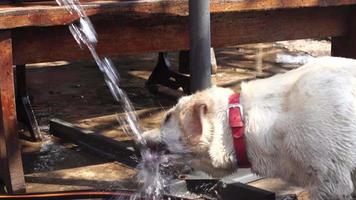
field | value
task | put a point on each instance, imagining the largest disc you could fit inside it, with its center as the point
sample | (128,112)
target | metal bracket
(24,110)
(163,75)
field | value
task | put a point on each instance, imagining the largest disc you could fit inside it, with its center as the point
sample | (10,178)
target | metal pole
(200,43)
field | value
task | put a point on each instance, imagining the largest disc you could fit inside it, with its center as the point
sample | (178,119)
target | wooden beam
(50,14)
(345,46)
(277,25)
(125,35)
(11,170)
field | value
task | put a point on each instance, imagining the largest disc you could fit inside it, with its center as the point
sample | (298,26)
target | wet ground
(76,92)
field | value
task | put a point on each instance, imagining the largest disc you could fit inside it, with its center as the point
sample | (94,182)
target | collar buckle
(237,105)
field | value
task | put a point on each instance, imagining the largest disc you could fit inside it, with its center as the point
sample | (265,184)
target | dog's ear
(191,121)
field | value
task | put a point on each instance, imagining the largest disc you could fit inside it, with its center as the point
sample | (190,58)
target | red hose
(85,194)
(73,195)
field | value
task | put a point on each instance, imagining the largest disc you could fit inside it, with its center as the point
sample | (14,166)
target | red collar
(237,130)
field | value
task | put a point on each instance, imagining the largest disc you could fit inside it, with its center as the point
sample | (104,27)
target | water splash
(85,35)
(49,154)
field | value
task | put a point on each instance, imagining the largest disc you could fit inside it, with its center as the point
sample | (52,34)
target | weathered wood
(11,171)
(345,46)
(154,34)
(50,14)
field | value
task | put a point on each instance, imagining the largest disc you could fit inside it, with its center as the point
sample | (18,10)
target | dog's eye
(168,117)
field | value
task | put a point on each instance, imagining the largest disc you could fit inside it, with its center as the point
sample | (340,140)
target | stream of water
(153,182)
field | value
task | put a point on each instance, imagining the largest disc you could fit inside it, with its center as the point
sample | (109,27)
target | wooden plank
(10,154)
(124,35)
(345,46)
(50,14)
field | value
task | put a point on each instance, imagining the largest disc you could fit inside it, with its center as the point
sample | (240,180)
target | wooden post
(11,170)
(345,46)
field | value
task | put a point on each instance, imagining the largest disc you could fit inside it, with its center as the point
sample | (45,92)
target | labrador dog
(299,126)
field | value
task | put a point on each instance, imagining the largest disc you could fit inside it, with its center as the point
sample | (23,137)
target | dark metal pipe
(200,43)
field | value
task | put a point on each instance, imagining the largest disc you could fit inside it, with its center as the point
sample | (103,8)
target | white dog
(299,126)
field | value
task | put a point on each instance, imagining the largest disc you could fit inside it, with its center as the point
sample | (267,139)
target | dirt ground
(76,92)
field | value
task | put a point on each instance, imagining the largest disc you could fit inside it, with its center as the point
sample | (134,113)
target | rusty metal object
(11,170)
(24,109)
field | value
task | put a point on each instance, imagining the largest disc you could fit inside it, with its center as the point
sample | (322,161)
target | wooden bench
(35,32)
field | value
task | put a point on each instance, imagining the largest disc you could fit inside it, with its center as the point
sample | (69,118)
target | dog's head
(197,127)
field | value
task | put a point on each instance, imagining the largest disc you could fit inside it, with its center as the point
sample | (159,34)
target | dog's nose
(153,140)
